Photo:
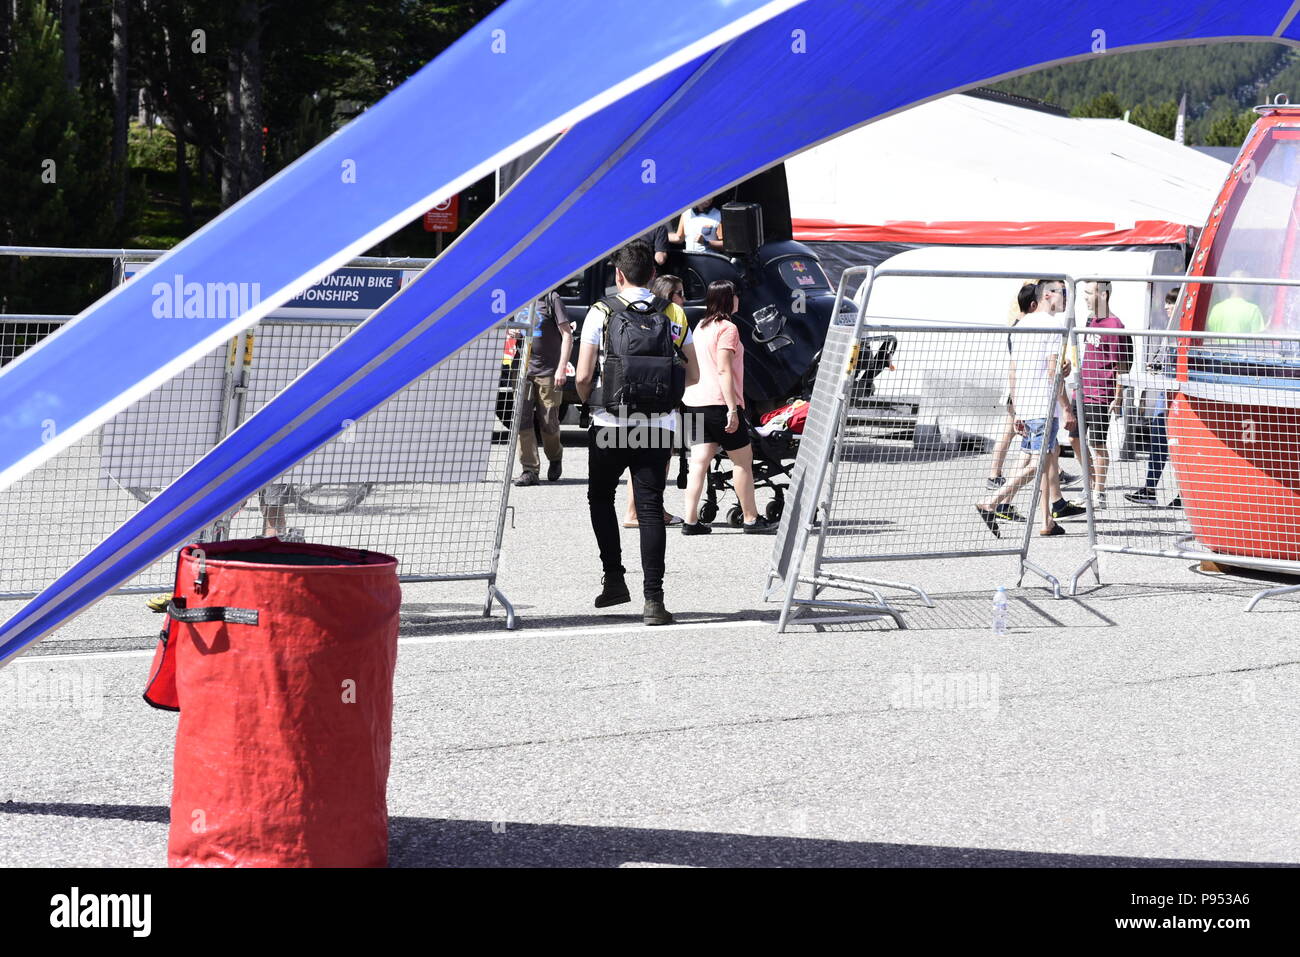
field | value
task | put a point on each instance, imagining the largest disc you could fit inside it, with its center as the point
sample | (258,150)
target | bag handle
(235,616)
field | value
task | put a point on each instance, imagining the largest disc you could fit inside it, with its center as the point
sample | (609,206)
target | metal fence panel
(897,450)
(915,450)
(816,445)
(1204,464)
(425,476)
(59,511)
(421,477)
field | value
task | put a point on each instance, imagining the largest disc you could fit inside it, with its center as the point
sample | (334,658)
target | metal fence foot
(494,592)
(1270,593)
(1096,570)
(1041,573)
(867,612)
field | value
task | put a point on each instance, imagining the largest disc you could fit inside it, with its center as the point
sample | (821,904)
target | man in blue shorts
(1036,389)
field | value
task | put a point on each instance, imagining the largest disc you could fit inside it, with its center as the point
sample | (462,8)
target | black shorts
(708,423)
(1096,419)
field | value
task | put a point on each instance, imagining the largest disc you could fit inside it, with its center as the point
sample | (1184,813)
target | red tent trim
(1145,232)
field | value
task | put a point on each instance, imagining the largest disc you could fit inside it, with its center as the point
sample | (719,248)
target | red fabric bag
(280,658)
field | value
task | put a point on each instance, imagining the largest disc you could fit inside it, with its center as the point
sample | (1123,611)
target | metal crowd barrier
(426,476)
(1212,422)
(893,465)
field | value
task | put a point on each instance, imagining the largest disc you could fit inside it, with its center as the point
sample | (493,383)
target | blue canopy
(793,76)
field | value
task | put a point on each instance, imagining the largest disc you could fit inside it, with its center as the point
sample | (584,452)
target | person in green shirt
(1236,313)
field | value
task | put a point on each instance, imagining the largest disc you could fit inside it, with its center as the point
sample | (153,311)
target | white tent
(987,169)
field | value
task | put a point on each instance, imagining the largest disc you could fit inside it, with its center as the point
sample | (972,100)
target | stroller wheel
(735,517)
(708,512)
(774,510)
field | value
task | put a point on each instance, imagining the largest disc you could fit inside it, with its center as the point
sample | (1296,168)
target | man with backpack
(635,361)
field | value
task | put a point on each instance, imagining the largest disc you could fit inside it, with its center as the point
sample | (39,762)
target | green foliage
(159,221)
(1159,118)
(1104,106)
(151,148)
(1230,129)
(57,184)
(1218,79)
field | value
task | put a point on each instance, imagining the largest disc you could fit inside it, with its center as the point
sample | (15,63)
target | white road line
(579,630)
(575,631)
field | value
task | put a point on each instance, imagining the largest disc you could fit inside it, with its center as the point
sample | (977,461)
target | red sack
(280,658)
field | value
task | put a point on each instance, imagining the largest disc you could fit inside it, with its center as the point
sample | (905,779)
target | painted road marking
(577,630)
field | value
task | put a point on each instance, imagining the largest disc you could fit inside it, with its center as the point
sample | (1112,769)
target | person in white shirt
(700,228)
(631,441)
(1037,387)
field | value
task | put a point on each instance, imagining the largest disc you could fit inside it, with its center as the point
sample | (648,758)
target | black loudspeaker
(742,228)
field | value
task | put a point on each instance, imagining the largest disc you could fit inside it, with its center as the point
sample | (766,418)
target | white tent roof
(964,158)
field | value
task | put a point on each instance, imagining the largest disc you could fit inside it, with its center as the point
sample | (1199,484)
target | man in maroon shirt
(1105,359)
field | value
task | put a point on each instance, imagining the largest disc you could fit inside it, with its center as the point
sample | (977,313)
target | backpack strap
(606,306)
(656,304)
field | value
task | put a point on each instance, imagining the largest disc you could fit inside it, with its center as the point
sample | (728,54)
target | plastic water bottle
(1000,612)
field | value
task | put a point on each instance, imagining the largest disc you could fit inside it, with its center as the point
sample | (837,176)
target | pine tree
(1159,118)
(1230,129)
(57,189)
(1103,106)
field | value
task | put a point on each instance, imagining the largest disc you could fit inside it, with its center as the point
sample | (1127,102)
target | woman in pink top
(715,409)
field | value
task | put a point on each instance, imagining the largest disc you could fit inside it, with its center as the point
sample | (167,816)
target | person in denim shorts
(1037,389)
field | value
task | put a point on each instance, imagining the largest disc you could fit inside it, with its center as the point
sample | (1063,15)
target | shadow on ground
(423,620)
(1029,609)
(434,842)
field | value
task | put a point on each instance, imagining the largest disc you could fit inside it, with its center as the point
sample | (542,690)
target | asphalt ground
(1149,720)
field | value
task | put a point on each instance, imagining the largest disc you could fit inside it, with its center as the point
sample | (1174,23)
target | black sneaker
(699,528)
(1068,479)
(760,526)
(1008,513)
(990,517)
(553,472)
(655,613)
(995,483)
(526,479)
(1068,510)
(613,592)
(1143,496)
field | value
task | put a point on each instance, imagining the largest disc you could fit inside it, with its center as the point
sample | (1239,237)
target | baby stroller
(774,455)
(775,448)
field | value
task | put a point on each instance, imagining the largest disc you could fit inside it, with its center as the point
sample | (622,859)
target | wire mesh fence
(930,462)
(1193,447)
(924,441)
(424,476)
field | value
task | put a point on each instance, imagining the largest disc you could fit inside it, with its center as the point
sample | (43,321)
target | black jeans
(646,452)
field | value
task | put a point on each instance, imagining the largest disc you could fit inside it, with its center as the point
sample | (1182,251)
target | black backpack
(644,370)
